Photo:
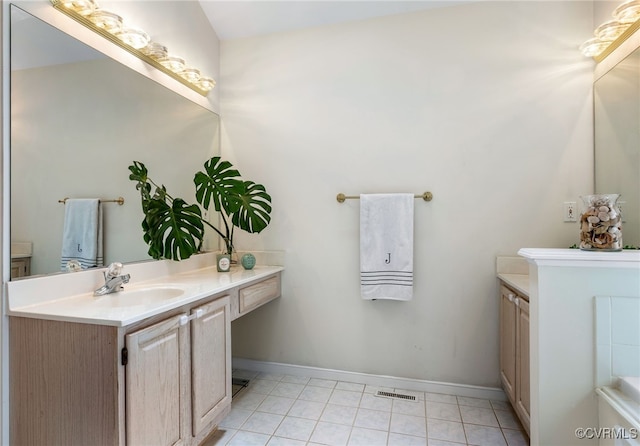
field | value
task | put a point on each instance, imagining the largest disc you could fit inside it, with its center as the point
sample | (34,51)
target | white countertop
(109,309)
(519,282)
(514,271)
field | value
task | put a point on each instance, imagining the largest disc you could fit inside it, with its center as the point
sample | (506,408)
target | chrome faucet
(112,280)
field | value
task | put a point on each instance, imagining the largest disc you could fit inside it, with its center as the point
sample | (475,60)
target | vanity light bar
(610,34)
(135,41)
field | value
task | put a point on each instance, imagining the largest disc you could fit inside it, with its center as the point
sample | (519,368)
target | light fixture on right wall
(607,36)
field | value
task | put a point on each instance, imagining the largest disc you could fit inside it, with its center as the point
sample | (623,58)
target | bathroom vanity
(556,367)
(148,365)
(514,335)
(20,259)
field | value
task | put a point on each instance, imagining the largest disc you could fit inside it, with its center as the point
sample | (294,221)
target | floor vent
(395,395)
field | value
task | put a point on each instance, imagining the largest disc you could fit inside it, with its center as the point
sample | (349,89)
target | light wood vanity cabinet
(165,380)
(522,397)
(514,351)
(168,367)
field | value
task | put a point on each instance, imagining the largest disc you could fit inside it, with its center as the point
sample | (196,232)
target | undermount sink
(140,296)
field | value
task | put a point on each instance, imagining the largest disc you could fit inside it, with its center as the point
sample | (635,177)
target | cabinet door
(155,370)
(211,363)
(20,267)
(522,405)
(508,341)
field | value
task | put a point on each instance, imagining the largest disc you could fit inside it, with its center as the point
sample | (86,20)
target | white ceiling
(233,19)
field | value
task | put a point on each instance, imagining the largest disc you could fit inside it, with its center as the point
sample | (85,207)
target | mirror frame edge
(6,218)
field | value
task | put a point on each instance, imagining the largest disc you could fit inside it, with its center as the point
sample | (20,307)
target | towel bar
(118,200)
(427,196)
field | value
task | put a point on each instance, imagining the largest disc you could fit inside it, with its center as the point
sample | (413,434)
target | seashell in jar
(600,229)
(603,209)
(593,219)
(604,216)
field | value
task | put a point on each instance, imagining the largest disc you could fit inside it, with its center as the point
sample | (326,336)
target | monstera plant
(174,229)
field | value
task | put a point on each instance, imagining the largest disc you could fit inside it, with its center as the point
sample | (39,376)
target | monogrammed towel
(386,246)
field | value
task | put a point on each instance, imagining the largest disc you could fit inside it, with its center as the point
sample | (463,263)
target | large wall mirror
(78,120)
(617,140)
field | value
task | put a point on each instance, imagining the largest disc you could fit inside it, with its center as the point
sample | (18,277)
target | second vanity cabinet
(164,380)
(514,351)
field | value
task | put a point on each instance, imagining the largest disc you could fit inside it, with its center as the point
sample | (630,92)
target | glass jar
(601,223)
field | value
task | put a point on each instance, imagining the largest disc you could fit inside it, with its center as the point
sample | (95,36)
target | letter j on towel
(386,246)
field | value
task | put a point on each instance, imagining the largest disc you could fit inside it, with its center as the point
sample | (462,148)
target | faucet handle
(113,270)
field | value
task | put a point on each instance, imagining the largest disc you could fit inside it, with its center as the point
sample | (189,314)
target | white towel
(386,246)
(82,235)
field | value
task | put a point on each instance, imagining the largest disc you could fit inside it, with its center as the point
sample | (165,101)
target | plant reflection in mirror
(174,229)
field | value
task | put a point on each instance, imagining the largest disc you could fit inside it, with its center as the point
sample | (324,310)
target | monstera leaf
(220,184)
(255,206)
(172,231)
(139,173)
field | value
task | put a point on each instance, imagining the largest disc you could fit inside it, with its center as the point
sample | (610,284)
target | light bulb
(133,37)
(155,50)
(173,63)
(628,12)
(593,47)
(190,74)
(611,30)
(106,20)
(206,83)
(82,7)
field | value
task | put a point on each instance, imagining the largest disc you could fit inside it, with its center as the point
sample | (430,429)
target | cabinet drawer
(253,296)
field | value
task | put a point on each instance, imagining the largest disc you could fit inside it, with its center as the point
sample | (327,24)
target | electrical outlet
(570,211)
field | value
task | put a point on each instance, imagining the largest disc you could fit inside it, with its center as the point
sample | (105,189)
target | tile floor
(291,410)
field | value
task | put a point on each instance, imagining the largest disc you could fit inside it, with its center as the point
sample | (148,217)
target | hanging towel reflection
(82,234)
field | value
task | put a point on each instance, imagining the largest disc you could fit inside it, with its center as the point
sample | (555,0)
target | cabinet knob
(517,302)
(510,297)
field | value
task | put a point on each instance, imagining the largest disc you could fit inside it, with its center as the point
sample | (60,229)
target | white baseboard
(417,385)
